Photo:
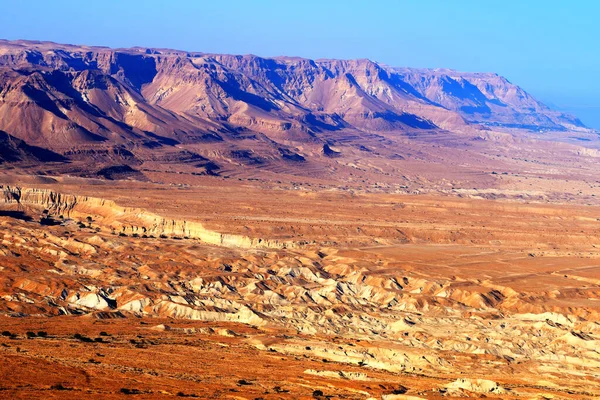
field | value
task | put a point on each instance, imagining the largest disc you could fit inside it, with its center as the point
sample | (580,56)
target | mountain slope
(486,98)
(130,106)
(15,150)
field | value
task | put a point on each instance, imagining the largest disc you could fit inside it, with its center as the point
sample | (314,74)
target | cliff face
(62,95)
(485,98)
(128,221)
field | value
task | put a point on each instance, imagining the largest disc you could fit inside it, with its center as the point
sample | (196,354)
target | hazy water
(589,115)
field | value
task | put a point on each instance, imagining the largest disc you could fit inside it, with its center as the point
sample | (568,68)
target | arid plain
(318,293)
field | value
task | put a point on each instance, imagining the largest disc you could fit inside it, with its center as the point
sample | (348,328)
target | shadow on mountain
(43,100)
(289,155)
(14,150)
(481,109)
(138,69)
(121,172)
(324,122)
(247,157)
(331,152)
(210,168)
(161,139)
(249,98)
(410,120)
(464,90)
(399,82)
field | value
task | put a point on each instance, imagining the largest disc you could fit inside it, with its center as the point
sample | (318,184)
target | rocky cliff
(107,215)
(59,96)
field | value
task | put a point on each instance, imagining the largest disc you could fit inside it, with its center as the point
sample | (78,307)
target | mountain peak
(61,97)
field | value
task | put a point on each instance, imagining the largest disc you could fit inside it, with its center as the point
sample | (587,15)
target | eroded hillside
(450,297)
(137,113)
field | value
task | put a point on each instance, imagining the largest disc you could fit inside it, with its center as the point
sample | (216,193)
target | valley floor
(314,294)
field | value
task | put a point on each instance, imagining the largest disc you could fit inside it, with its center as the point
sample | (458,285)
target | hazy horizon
(545,49)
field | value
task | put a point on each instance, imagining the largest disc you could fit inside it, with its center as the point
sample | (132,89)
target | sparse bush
(130,391)
(83,338)
(31,334)
(42,333)
(400,390)
(6,333)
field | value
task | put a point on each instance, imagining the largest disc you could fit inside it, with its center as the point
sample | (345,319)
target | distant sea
(587,111)
(589,115)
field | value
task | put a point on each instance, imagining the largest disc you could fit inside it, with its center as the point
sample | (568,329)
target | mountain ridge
(88,99)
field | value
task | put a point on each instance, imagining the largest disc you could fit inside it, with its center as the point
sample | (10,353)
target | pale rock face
(89,300)
(477,385)
(126,220)
(339,374)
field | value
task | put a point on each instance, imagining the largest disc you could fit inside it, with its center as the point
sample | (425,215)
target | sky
(549,48)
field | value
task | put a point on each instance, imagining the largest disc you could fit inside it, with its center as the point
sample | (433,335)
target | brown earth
(363,293)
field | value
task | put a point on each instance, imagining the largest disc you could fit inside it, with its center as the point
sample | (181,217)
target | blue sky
(550,48)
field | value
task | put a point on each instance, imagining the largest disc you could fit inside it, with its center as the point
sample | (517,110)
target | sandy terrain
(234,290)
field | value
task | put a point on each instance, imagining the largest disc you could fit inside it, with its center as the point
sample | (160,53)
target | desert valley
(181,224)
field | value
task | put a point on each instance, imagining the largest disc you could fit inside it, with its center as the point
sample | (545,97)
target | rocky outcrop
(475,385)
(129,221)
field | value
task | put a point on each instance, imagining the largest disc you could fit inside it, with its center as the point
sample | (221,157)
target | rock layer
(128,221)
